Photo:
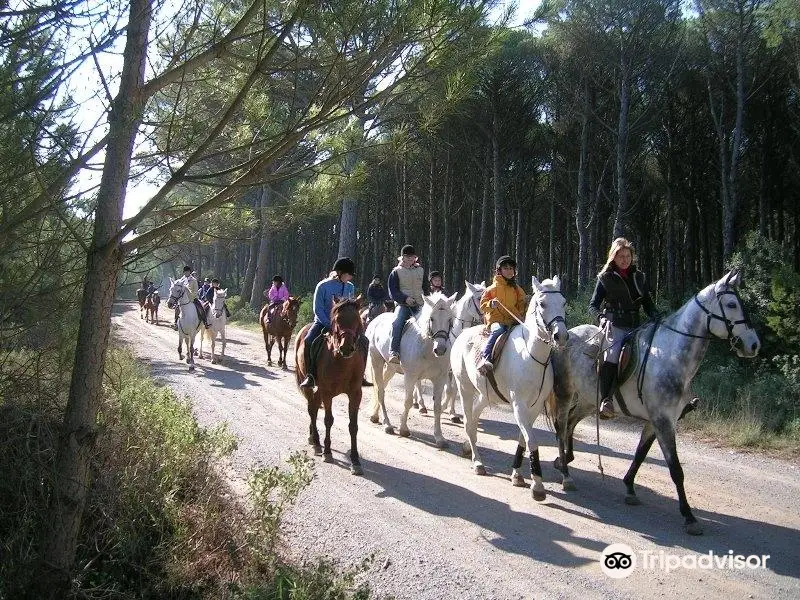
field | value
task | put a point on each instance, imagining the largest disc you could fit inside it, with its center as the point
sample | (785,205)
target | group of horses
(148,305)
(543,367)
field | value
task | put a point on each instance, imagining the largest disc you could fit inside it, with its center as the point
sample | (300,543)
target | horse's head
(726,317)
(436,320)
(289,310)
(546,312)
(218,305)
(346,327)
(176,291)
(468,309)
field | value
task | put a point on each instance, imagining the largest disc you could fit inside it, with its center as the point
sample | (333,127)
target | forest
(274,137)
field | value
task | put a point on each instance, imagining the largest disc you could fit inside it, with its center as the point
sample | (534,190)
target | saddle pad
(498,346)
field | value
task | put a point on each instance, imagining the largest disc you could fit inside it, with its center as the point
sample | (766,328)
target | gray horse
(657,391)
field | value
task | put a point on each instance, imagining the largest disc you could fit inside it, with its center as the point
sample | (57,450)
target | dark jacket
(208,295)
(377,294)
(619,298)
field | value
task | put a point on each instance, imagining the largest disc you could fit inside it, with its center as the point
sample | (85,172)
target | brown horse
(340,370)
(141,296)
(151,304)
(280,328)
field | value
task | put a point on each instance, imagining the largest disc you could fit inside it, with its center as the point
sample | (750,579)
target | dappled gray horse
(657,391)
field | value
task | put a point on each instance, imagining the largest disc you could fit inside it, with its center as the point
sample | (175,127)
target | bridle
(339,335)
(474,320)
(218,311)
(549,326)
(286,313)
(177,299)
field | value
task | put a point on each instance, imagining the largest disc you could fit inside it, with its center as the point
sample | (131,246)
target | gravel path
(438,532)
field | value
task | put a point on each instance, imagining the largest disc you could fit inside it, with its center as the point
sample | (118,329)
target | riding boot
(311,367)
(608,375)
(227,312)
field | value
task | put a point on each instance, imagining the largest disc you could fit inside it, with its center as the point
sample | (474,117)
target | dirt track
(440,532)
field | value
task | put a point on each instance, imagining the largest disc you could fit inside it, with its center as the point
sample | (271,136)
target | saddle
(273,312)
(496,350)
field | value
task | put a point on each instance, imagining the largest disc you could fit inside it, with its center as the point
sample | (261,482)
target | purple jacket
(278,294)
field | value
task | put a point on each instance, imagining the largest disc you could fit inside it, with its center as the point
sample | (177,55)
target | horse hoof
(479,470)
(269,363)
(441,444)
(405,432)
(693,528)
(356,470)
(568,485)
(456,419)
(389,429)
(415,405)
(317,450)
(374,419)
(557,464)
(518,481)
(632,500)
(423,411)
(191,368)
(465,451)
(214,361)
(539,495)
(328,458)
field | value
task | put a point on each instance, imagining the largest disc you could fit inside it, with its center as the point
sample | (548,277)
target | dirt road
(440,532)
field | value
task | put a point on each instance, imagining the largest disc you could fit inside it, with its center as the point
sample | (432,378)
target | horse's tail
(551,412)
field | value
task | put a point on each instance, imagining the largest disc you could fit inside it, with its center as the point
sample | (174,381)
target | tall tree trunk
(103,264)
(499,241)
(483,241)
(260,278)
(433,214)
(622,148)
(581,210)
(446,257)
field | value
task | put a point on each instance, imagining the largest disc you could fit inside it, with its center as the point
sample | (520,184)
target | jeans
(401,314)
(614,338)
(497,329)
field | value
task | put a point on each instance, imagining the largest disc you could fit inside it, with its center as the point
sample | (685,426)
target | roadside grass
(161,521)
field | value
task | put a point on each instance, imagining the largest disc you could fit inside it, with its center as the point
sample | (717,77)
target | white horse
(658,390)
(524,375)
(424,350)
(217,319)
(467,313)
(188,321)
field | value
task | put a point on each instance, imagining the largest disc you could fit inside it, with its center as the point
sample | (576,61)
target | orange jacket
(512,297)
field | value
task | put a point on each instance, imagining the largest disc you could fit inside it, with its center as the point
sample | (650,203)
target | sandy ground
(439,532)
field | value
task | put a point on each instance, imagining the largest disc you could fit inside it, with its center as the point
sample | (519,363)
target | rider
(620,290)
(209,296)
(190,281)
(151,287)
(204,289)
(504,296)
(277,294)
(337,284)
(376,293)
(405,288)
(436,283)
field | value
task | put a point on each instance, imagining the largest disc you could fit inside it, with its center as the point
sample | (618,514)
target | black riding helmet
(277,279)
(505,260)
(433,274)
(344,265)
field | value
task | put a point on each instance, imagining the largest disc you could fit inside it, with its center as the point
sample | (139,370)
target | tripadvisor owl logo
(618,561)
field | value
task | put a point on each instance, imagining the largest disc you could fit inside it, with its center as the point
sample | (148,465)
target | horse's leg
(665,433)
(419,402)
(522,415)
(379,391)
(270,341)
(472,412)
(283,344)
(565,426)
(224,341)
(409,386)
(190,353)
(313,409)
(645,441)
(180,345)
(327,402)
(202,339)
(451,395)
(354,402)
(213,335)
(438,389)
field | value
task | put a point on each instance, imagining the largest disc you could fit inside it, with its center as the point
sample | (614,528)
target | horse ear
(359,299)
(225,291)
(557,282)
(428,301)
(336,299)
(471,287)
(734,278)
(537,287)
(452,298)
(171,281)
(483,284)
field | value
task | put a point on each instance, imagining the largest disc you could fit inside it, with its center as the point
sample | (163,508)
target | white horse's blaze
(429,330)
(523,375)
(218,321)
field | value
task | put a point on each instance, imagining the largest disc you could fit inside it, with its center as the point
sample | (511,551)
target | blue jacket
(323,298)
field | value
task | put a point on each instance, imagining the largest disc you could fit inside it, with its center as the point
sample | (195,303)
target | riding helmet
(433,274)
(505,260)
(408,250)
(344,265)
(187,268)
(278,278)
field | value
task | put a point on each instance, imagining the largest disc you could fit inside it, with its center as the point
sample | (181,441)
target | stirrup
(485,367)
(607,409)
(394,358)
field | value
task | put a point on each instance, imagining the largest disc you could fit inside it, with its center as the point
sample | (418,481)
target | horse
(424,350)
(467,313)
(658,390)
(279,329)
(523,375)
(151,304)
(141,296)
(340,370)
(188,320)
(373,310)
(218,320)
